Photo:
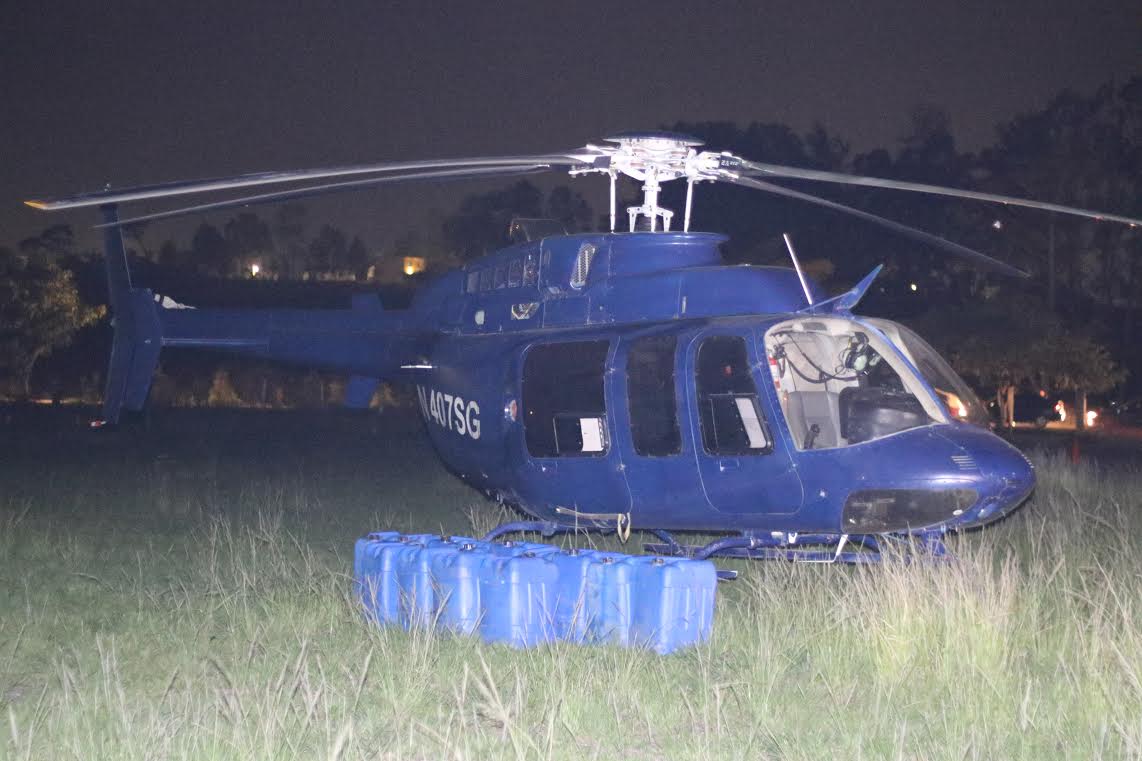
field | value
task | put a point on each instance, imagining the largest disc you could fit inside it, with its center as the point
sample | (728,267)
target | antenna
(797,266)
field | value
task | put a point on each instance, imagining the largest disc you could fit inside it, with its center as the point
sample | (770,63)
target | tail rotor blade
(910,232)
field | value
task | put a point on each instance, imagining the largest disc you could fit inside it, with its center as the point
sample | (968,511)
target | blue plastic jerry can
(577,593)
(608,599)
(477,545)
(517,593)
(414,575)
(674,604)
(374,575)
(457,579)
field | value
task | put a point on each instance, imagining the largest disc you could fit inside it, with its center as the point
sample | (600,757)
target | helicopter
(630,380)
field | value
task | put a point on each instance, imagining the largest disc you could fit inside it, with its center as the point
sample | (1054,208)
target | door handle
(728,465)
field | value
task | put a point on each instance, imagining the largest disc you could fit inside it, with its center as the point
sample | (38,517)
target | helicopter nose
(1010,477)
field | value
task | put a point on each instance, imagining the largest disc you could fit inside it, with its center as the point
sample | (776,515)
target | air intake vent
(582,265)
(965,462)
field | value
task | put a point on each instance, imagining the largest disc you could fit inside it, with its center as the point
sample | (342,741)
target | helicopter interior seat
(809,408)
(808,405)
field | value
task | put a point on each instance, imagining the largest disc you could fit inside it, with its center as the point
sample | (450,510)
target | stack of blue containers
(524,593)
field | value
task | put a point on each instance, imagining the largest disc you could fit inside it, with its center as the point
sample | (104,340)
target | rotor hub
(660,156)
(654,158)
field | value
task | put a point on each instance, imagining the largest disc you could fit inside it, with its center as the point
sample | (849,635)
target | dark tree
(40,311)
(568,207)
(57,241)
(290,222)
(327,252)
(1080,151)
(209,253)
(481,223)
(357,257)
(248,242)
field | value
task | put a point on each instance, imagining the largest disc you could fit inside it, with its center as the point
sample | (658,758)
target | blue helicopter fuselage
(671,289)
(635,374)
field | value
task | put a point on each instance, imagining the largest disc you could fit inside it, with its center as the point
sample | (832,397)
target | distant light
(413,265)
(997,225)
(955,405)
(255,268)
(913,286)
(1091,416)
(1062,410)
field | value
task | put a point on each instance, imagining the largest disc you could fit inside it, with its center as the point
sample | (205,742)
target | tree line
(1073,325)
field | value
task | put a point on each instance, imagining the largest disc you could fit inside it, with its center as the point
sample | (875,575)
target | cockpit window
(957,396)
(840,384)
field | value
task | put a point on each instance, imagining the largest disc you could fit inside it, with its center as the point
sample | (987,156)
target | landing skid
(861,549)
(858,549)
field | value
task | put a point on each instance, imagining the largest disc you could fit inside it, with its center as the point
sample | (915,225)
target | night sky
(125,93)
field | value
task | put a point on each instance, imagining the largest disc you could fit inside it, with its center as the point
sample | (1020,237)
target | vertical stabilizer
(138,334)
(115,261)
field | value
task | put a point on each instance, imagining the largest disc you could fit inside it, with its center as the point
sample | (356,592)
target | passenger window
(564,408)
(731,419)
(650,395)
(473,281)
(514,271)
(501,275)
(485,280)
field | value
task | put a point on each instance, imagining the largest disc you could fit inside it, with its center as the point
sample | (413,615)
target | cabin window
(564,407)
(485,280)
(501,276)
(530,270)
(650,395)
(473,281)
(515,270)
(730,415)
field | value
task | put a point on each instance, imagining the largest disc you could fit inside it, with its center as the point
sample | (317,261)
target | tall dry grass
(224,628)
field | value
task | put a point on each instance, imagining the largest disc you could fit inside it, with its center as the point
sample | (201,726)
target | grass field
(183,592)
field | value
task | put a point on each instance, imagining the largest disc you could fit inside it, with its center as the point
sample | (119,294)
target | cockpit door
(745,463)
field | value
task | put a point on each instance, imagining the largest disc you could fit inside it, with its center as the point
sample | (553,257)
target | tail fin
(138,333)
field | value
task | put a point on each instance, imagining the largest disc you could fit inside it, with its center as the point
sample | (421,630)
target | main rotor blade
(163,190)
(905,230)
(334,187)
(775,170)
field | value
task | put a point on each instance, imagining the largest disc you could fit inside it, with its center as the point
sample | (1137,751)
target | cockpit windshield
(957,396)
(841,384)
